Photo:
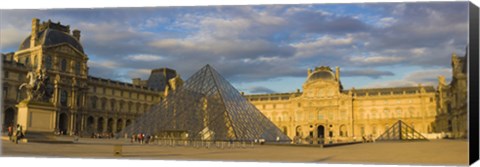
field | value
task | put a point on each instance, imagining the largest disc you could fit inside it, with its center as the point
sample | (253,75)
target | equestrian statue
(38,86)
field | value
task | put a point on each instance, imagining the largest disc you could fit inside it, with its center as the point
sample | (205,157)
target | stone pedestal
(36,116)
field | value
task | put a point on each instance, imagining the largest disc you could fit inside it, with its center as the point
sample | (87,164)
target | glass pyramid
(401,131)
(207,107)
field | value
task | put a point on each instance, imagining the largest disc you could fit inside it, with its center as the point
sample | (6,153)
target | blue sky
(265,48)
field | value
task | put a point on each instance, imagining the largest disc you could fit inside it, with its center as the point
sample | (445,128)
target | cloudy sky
(265,48)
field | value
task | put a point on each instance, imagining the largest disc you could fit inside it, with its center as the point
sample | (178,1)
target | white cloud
(386,22)
(370,60)
(144,57)
(12,37)
(139,73)
(104,64)
(418,51)
(311,48)
(423,77)
(391,83)
(428,75)
(399,9)
(325,41)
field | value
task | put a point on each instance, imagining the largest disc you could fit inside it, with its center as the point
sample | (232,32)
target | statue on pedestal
(38,87)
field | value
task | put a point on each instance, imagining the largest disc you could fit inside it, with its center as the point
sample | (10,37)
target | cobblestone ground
(437,152)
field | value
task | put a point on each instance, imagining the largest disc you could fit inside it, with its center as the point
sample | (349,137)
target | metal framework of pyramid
(401,131)
(207,107)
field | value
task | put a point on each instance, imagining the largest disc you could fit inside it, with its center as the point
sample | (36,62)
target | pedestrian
(19,130)
(10,132)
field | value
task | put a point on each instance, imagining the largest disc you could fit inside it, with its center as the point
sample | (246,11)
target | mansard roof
(50,37)
(394,90)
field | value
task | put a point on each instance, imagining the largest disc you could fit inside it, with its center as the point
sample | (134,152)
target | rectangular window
(320,117)
(5,92)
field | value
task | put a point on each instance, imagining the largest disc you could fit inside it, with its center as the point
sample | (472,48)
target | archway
(100,125)
(110,125)
(119,125)
(63,123)
(298,131)
(343,131)
(90,124)
(320,131)
(9,117)
(285,130)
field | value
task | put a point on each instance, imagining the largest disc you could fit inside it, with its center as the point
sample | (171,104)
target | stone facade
(452,100)
(83,103)
(325,111)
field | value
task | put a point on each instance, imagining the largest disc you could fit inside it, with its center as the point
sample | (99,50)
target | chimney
(35,26)
(337,73)
(76,34)
(136,81)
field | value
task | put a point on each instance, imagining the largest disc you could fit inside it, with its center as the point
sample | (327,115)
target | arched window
(343,131)
(63,65)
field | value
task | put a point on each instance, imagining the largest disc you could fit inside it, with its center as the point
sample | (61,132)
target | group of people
(367,139)
(15,133)
(102,135)
(142,138)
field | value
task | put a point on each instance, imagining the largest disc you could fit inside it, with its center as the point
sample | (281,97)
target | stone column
(71,123)
(56,98)
(83,124)
(114,126)
(57,121)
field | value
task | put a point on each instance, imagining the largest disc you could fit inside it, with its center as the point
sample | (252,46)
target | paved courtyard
(445,152)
